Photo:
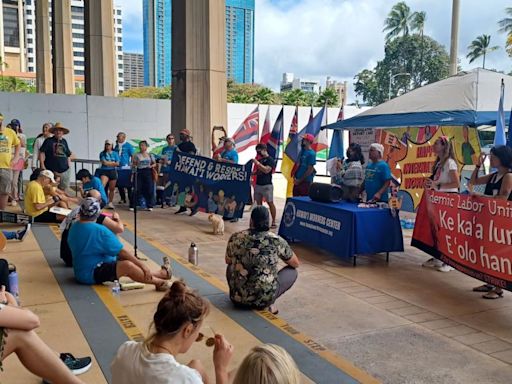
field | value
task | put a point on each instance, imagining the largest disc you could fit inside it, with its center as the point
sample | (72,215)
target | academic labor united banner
(203,184)
(470,233)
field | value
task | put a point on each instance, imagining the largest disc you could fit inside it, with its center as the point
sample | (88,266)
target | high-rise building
(78,37)
(12,36)
(290,82)
(240,40)
(340,88)
(133,70)
(157,15)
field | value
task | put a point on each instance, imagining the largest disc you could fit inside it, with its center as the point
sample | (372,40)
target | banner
(211,186)
(409,153)
(470,233)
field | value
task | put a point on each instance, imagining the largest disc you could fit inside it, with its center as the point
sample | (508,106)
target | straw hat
(59,126)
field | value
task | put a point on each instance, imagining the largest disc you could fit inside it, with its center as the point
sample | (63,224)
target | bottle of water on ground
(13,283)
(116,288)
(193,254)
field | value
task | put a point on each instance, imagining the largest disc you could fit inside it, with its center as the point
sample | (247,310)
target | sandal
(484,288)
(164,287)
(493,295)
(167,267)
(273,309)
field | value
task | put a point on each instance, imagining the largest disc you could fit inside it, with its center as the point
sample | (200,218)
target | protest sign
(215,187)
(470,233)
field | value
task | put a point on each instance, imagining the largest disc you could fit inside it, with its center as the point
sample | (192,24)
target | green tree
(264,95)
(328,97)
(13,84)
(295,97)
(505,25)
(480,47)
(403,55)
(148,93)
(418,24)
(398,21)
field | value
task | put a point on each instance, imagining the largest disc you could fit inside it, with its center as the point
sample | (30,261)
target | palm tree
(398,21)
(480,47)
(418,24)
(294,97)
(506,26)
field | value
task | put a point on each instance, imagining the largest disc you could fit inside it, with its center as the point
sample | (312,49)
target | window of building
(29,21)
(77,26)
(119,48)
(28,2)
(29,41)
(119,21)
(30,50)
(120,66)
(78,35)
(78,54)
(78,45)
(29,31)
(119,30)
(77,9)
(11,27)
(119,12)
(79,73)
(29,11)
(78,63)
(120,39)
(30,59)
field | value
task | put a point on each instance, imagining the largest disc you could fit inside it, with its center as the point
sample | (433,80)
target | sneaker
(14,203)
(432,263)
(445,268)
(76,365)
(20,235)
(149,209)
(131,209)
(181,210)
(233,221)
(110,205)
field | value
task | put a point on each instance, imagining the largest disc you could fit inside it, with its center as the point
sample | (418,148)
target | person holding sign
(499,186)
(377,175)
(186,145)
(444,178)
(305,173)
(229,154)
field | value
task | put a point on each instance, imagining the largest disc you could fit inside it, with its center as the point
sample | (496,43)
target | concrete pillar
(44,83)
(62,48)
(199,69)
(21,36)
(454,41)
(100,69)
(2,40)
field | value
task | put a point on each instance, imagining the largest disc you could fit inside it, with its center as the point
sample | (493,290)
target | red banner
(472,234)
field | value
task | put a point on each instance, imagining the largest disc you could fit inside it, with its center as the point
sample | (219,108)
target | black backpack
(4,274)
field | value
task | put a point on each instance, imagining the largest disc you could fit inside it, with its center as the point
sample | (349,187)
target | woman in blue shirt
(108,174)
(125,151)
(144,162)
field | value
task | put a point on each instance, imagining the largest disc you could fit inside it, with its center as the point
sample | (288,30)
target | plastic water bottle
(13,283)
(116,288)
(193,254)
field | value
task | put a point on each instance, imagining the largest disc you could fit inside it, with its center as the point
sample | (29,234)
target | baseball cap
(309,137)
(109,142)
(48,174)
(185,132)
(15,122)
(378,147)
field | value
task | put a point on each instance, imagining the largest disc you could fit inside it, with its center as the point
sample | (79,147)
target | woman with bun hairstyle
(177,322)
(268,364)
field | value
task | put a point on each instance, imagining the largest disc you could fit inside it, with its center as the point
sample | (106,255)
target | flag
(311,116)
(265,133)
(276,137)
(499,137)
(321,142)
(294,127)
(287,163)
(247,134)
(292,151)
(218,149)
(336,149)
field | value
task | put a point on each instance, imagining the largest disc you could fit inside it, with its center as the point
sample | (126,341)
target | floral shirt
(252,259)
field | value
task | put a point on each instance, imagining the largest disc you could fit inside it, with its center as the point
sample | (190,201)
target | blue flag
(313,127)
(276,137)
(499,137)
(336,149)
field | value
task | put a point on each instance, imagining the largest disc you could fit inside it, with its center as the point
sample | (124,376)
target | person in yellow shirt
(8,141)
(36,203)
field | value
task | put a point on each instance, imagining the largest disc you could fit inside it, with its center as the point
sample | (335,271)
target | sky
(318,38)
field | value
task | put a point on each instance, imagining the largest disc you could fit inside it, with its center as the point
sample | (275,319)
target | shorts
(64,179)
(5,181)
(46,217)
(110,173)
(105,272)
(264,192)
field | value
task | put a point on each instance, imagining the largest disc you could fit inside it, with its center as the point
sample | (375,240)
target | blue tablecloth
(341,228)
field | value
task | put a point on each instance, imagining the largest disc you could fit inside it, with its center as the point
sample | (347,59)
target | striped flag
(336,150)
(276,137)
(265,133)
(321,142)
(247,134)
(294,127)
(499,136)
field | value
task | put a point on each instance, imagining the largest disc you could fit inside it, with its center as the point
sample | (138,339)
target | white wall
(92,119)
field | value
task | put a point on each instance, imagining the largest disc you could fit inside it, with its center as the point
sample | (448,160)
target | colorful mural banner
(470,233)
(409,153)
(198,182)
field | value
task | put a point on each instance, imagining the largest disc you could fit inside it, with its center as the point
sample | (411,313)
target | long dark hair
(357,153)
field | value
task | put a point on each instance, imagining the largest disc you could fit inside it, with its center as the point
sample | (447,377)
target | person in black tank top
(499,186)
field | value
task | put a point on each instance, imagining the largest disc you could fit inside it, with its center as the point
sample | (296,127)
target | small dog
(218,224)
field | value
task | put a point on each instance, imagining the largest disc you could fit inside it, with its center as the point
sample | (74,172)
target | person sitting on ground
(498,185)
(37,204)
(112,222)
(305,173)
(99,256)
(377,175)
(350,176)
(17,235)
(444,178)
(177,321)
(264,189)
(91,182)
(17,335)
(252,257)
(52,189)
(269,364)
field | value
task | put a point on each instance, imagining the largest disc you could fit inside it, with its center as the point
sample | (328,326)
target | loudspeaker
(325,193)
